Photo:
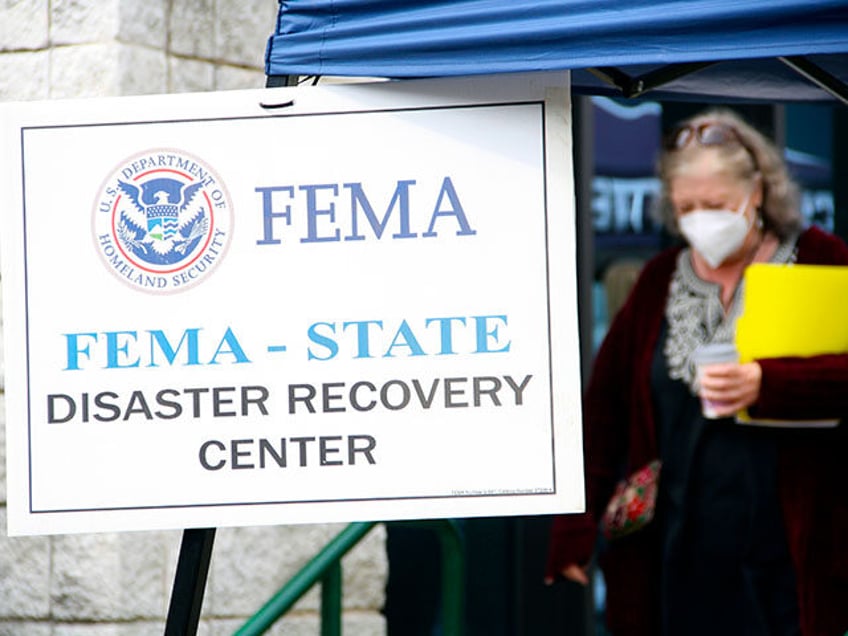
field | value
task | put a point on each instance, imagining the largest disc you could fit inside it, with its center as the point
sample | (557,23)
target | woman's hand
(731,386)
(576,573)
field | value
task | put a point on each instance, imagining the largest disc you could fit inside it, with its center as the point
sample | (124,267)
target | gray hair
(755,154)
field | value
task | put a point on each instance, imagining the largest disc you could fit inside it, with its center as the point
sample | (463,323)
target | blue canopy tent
(764,50)
(760,51)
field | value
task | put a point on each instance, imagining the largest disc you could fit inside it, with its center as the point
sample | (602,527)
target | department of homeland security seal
(162,221)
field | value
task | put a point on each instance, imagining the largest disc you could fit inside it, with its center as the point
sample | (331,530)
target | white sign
(291,305)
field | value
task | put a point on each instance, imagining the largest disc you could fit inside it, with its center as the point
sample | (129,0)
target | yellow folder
(793,310)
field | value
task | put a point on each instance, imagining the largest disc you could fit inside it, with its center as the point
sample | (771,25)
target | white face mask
(715,234)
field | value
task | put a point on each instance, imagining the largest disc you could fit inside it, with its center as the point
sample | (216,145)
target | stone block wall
(119,584)
(89,48)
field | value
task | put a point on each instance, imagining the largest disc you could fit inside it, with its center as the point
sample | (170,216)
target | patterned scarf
(695,315)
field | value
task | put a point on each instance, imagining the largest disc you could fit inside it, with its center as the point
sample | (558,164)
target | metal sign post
(190,582)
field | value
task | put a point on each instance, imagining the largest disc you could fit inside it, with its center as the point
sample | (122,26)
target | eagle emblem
(163,221)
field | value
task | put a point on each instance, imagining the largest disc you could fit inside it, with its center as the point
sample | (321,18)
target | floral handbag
(633,502)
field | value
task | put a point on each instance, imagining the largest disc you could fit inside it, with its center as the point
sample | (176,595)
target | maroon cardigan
(620,436)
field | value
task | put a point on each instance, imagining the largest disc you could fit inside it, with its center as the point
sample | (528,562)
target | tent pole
(658,77)
(839,168)
(584,171)
(637,86)
(614,77)
(818,76)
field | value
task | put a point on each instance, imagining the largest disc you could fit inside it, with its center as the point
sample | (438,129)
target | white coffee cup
(709,354)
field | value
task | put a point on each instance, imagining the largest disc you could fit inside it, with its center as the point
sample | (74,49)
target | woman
(750,535)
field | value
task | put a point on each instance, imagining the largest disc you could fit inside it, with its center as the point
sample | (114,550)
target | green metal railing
(325,567)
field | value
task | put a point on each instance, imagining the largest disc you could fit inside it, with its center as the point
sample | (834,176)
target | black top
(726,566)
